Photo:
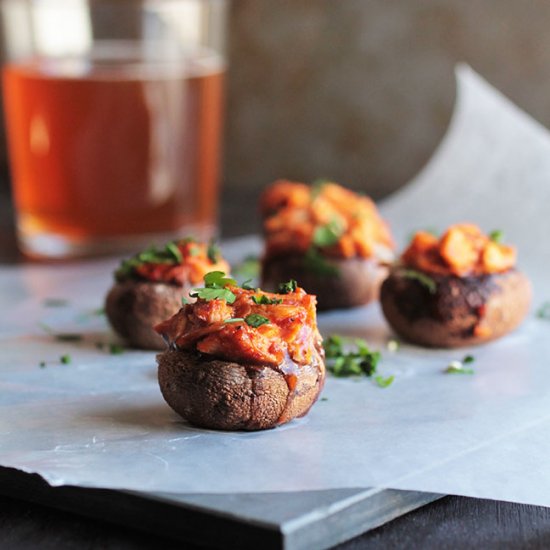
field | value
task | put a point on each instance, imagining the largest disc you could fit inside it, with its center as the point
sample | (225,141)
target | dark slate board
(290,521)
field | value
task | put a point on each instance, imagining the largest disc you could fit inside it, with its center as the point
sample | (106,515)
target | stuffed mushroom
(329,238)
(457,290)
(242,359)
(149,287)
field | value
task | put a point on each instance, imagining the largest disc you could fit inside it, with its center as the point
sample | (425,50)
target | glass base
(52,246)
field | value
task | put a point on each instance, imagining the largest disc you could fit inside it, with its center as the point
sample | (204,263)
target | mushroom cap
(134,307)
(462,311)
(355,281)
(224,395)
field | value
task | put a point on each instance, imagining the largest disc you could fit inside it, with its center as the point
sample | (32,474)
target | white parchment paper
(100,421)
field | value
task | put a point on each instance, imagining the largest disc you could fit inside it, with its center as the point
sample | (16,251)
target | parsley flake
(209,294)
(384,382)
(213,252)
(61,336)
(116,349)
(214,289)
(392,345)
(171,248)
(315,262)
(289,287)
(426,281)
(361,361)
(496,236)
(65,359)
(264,300)
(68,337)
(217,279)
(247,285)
(334,346)
(169,254)
(543,312)
(328,234)
(255,320)
(457,367)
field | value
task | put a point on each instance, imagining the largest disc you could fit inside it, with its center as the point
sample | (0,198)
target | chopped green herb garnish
(255,320)
(457,367)
(315,262)
(468,359)
(115,349)
(68,337)
(496,236)
(213,252)
(65,359)
(543,312)
(234,320)
(215,283)
(288,287)
(170,254)
(458,370)
(347,365)
(384,382)
(392,345)
(172,248)
(209,294)
(184,301)
(55,302)
(334,346)
(365,352)
(324,399)
(422,278)
(217,279)
(100,311)
(361,361)
(42,364)
(61,336)
(247,286)
(328,234)
(262,299)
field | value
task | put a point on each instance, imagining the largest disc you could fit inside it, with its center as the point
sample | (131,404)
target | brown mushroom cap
(224,395)
(134,307)
(461,312)
(356,281)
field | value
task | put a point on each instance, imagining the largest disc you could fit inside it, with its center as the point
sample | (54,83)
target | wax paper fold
(100,421)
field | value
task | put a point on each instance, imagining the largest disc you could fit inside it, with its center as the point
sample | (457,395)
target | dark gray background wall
(362,90)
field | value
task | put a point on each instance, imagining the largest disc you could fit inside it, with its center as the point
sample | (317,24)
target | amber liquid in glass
(112,154)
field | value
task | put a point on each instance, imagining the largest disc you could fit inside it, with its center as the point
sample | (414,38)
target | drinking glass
(113,115)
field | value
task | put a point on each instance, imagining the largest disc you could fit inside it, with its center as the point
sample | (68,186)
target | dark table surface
(452,522)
